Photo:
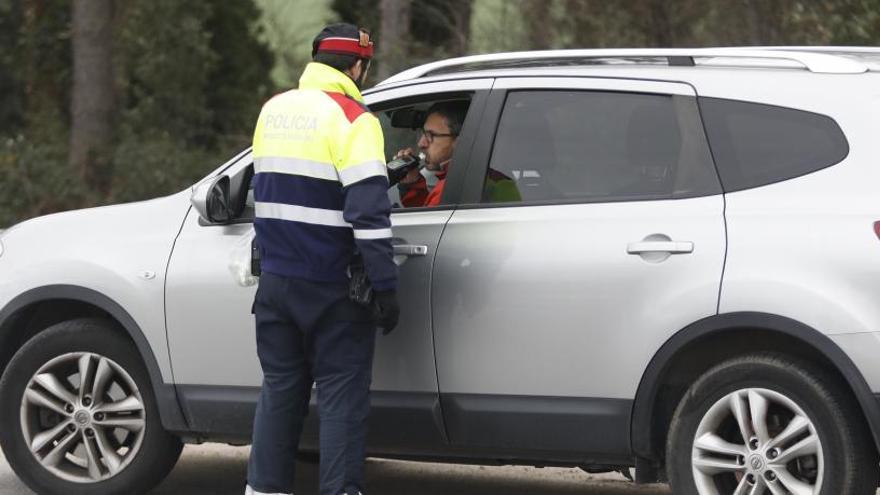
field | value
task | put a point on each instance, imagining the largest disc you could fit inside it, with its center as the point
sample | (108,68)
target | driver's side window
(428,131)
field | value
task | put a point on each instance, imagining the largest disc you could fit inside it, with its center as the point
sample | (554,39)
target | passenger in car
(437,139)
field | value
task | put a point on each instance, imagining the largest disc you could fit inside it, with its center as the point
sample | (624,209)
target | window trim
(596,84)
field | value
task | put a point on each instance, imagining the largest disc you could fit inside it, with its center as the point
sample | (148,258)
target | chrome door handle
(671,247)
(410,250)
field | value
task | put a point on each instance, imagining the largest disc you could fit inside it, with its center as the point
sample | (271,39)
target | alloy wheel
(83,417)
(755,441)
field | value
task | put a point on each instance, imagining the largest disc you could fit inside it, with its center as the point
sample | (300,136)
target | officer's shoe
(251,491)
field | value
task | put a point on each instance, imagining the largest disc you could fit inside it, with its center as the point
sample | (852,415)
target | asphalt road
(220,470)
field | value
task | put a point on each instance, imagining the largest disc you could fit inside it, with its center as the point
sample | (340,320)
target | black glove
(386,310)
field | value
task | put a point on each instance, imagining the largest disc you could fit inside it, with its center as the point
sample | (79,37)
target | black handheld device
(399,167)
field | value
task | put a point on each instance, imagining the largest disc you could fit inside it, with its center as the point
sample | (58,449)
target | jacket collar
(325,78)
(441,174)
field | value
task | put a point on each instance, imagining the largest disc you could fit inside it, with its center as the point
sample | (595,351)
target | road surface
(213,469)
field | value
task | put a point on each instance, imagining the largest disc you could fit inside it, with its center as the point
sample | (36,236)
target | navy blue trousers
(311,333)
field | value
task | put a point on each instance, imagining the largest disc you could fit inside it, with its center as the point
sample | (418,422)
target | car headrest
(654,138)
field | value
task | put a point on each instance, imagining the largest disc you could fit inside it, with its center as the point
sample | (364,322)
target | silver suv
(683,278)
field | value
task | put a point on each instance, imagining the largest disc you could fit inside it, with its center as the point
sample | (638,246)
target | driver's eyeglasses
(431,135)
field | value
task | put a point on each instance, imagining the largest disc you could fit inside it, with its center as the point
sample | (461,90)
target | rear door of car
(591,229)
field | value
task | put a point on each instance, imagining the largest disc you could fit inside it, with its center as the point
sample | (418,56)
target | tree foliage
(437,29)
(240,80)
(190,77)
(93,98)
(11,89)
(165,70)
(855,22)
(288,29)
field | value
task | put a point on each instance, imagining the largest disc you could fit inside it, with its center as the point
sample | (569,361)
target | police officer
(321,196)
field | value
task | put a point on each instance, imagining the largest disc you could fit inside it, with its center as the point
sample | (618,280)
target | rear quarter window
(755,145)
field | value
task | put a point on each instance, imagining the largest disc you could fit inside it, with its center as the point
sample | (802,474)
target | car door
(211,328)
(550,299)
(406,414)
(209,322)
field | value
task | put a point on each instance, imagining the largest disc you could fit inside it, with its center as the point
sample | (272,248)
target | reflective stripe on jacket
(321,185)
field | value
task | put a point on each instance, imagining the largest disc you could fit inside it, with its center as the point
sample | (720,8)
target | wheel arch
(37,309)
(704,343)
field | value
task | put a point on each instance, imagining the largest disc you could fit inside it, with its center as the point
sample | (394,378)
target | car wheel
(769,424)
(79,415)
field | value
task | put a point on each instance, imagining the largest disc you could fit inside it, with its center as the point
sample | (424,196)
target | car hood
(117,230)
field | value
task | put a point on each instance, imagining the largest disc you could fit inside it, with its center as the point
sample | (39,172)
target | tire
(104,438)
(813,438)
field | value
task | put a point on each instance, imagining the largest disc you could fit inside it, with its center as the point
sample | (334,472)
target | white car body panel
(119,251)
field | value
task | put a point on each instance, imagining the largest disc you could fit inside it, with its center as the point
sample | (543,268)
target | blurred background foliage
(188,78)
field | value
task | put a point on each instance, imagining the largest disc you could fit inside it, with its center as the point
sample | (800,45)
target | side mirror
(211,200)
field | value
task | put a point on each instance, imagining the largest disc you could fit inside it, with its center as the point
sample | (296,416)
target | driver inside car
(437,139)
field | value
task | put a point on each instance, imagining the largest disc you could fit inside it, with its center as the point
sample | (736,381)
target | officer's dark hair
(453,112)
(338,61)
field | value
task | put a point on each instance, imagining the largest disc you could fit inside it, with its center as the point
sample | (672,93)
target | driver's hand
(411,177)
(405,152)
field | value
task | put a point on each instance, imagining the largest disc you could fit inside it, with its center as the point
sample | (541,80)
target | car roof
(820,60)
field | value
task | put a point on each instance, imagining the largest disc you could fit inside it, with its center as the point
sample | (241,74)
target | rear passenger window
(592,146)
(756,144)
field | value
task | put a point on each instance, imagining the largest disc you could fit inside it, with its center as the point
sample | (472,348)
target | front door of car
(406,409)
(211,328)
(209,322)
(591,233)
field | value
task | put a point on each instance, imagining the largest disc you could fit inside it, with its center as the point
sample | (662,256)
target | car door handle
(410,250)
(672,247)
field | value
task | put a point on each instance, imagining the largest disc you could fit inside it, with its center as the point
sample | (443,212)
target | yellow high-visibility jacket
(321,183)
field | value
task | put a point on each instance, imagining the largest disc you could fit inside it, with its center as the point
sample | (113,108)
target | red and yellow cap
(344,39)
